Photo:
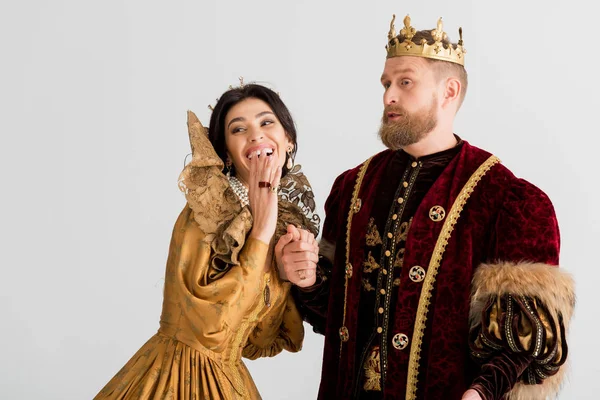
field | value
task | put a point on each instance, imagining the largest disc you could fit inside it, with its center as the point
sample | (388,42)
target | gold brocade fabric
(208,324)
(223,298)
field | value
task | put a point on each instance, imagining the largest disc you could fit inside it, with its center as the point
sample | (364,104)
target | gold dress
(219,302)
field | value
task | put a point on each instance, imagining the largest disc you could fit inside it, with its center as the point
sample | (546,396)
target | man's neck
(434,142)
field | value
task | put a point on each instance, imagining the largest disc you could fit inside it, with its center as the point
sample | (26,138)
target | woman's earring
(228,167)
(290,161)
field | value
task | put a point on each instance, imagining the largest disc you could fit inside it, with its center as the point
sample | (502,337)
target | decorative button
(382,291)
(380,310)
(414,164)
(405,184)
(349,270)
(395,217)
(416,274)
(387,253)
(379,329)
(344,335)
(400,200)
(437,213)
(400,341)
(390,235)
(385,271)
(357,205)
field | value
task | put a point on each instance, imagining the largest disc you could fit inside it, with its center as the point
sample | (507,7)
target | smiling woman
(223,298)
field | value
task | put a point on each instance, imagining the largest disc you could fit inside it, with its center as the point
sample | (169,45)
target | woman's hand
(263,200)
(297,254)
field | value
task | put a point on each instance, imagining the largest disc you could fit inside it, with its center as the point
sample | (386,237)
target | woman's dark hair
(216,129)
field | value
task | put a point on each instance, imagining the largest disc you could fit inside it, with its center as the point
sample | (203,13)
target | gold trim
(351,212)
(434,264)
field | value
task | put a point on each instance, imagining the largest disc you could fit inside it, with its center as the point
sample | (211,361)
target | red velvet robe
(500,221)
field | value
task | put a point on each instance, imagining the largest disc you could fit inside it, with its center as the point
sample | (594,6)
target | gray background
(93,100)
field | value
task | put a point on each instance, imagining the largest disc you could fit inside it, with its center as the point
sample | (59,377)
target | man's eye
(404,82)
(386,85)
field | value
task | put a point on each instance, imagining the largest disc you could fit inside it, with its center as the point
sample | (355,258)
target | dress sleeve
(522,302)
(211,305)
(313,301)
(283,330)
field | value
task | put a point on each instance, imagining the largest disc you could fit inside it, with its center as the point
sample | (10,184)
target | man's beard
(410,128)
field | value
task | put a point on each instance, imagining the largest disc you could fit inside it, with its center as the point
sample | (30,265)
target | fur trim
(552,286)
(327,249)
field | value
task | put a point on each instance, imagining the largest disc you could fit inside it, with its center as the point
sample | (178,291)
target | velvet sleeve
(313,301)
(522,302)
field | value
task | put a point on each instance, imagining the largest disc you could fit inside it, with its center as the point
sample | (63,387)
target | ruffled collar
(218,211)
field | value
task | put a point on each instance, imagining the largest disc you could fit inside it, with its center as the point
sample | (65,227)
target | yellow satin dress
(207,325)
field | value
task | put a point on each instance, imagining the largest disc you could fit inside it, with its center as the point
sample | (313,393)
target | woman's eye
(266,122)
(236,130)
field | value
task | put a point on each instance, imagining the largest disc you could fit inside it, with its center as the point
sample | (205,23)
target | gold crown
(436,51)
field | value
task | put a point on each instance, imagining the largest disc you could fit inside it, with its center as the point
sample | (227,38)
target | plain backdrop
(93,100)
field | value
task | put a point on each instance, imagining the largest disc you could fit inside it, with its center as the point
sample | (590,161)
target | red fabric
(506,219)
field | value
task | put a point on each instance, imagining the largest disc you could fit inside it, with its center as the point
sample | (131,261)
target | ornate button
(437,213)
(414,164)
(400,200)
(380,310)
(388,253)
(389,235)
(382,291)
(405,184)
(400,341)
(385,271)
(395,217)
(379,329)
(344,335)
(349,270)
(416,274)
(357,205)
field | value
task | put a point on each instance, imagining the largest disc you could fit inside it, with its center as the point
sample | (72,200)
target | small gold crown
(436,51)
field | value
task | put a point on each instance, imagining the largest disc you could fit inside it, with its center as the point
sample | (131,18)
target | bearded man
(437,275)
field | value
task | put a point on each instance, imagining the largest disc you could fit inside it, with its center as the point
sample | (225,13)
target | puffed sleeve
(281,330)
(313,301)
(521,302)
(201,305)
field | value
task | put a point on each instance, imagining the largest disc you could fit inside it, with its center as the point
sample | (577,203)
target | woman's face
(253,130)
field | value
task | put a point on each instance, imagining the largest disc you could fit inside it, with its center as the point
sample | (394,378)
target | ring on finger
(275,189)
(264,184)
(302,275)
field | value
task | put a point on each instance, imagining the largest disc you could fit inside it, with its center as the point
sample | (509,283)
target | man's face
(410,101)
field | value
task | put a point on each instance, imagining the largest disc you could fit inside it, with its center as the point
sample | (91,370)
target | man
(437,276)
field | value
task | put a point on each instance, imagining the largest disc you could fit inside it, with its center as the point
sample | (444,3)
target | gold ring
(274,189)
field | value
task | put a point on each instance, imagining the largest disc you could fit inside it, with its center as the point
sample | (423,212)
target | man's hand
(471,394)
(297,254)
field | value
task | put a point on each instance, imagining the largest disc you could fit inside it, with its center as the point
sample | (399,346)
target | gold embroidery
(372,368)
(434,264)
(367,285)
(399,261)
(402,233)
(372,237)
(361,174)
(370,264)
(397,282)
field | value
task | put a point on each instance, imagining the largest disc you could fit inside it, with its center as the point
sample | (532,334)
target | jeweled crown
(437,51)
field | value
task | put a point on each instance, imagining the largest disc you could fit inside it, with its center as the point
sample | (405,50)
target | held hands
(297,254)
(263,184)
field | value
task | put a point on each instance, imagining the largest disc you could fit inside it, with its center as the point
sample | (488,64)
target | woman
(223,298)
